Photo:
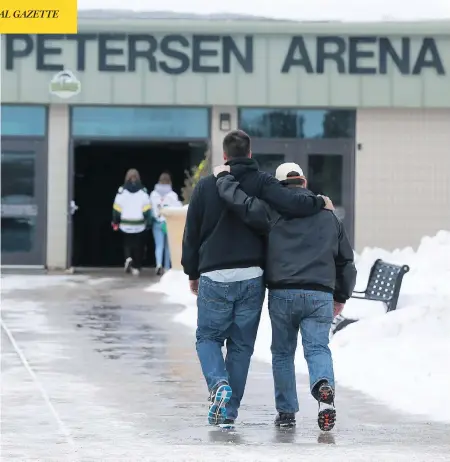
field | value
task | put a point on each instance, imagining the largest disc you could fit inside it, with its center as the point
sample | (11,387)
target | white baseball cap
(282,171)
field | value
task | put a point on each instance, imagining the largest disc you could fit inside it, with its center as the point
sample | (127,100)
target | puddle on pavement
(120,336)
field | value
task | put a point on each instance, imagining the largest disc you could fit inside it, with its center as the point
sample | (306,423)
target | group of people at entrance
(247,231)
(135,212)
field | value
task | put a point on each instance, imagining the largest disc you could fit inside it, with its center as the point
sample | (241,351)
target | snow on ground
(399,358)
(29,282)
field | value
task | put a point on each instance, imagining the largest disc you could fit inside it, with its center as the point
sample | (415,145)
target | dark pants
(134,248)
(228,312)
(311,312)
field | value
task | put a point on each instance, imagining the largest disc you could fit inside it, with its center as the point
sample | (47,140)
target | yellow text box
(38,17)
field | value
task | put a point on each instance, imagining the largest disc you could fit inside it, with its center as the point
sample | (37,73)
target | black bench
(385,281)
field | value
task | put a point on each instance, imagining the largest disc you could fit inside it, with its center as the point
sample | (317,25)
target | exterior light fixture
(225,121)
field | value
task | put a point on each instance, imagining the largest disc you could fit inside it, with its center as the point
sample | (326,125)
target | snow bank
(399,357)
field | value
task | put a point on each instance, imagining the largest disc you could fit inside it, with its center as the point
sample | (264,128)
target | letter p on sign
(38,17)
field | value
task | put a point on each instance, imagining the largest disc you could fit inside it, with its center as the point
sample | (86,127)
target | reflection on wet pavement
(119,337)
(126,382)
(326,438)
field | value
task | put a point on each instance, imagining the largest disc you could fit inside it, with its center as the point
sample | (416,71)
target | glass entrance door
(271,153)
(329,168)
(23,201)
(328,165)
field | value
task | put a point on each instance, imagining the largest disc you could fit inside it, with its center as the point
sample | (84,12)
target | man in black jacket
(224,259)
(309,262)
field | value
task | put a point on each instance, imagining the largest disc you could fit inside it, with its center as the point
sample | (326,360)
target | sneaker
(135,272)
(327,412)
(285,420)
(128,263)
(227,424)
(219,398)
(159,271)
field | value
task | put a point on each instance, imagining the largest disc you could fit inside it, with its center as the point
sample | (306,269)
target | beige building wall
(58,188)
(402,190)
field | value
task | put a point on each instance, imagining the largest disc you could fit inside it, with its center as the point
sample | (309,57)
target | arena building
(364,108)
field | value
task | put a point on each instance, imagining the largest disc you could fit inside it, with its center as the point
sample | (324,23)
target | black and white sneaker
(159,271)
(285,420)
(327,411)
(128,263)
(219,398)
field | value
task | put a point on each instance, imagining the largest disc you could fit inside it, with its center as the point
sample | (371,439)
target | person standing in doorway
(162,196)
(131,214)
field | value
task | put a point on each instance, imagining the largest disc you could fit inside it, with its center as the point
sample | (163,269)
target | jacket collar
(243,165)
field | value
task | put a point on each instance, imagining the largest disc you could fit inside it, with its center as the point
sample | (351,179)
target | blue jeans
(161,246)
(228,312)
(312,313)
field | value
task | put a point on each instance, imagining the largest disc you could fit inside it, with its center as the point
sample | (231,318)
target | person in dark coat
(224,259)
(310,272)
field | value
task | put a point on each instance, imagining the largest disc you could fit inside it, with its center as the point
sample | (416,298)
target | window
(18,175)
(297,123)
(23,120)
(325,173)
(18,234)
(268,162)
(140,122)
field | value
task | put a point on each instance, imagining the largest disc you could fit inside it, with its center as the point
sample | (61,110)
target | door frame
(37,256)
(288,147)
(70,197)
(74,141)
(299,150)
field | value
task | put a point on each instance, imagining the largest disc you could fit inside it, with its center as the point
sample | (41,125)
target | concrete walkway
(97,370)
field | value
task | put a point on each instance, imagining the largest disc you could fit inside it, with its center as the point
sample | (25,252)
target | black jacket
(215,238)
(311,253)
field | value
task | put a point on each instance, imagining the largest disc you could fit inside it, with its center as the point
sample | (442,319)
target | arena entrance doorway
(99,170)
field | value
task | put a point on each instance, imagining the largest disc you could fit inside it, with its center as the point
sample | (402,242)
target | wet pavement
(95,369)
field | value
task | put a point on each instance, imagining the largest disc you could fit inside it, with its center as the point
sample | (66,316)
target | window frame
(27,134)
(268,110)
(136,137)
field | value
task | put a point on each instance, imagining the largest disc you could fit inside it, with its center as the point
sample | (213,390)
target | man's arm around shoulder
(301,203)
(251,210)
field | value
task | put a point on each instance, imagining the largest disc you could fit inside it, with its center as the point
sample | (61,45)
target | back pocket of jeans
(252,295)
(323,305)
(213,293)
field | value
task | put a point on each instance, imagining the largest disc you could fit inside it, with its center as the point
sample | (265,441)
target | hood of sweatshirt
(133,187)
(242,166)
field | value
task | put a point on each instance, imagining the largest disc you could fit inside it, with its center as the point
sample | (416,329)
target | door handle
(73,207)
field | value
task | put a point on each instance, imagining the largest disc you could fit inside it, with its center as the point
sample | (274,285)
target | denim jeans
(312,313)
(161,246)
(228,313)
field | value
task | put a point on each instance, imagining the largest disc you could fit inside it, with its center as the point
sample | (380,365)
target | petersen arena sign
(176,54)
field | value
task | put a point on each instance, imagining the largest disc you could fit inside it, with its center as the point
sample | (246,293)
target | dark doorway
(100,168)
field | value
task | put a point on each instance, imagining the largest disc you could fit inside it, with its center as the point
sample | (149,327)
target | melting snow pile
(399,357)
